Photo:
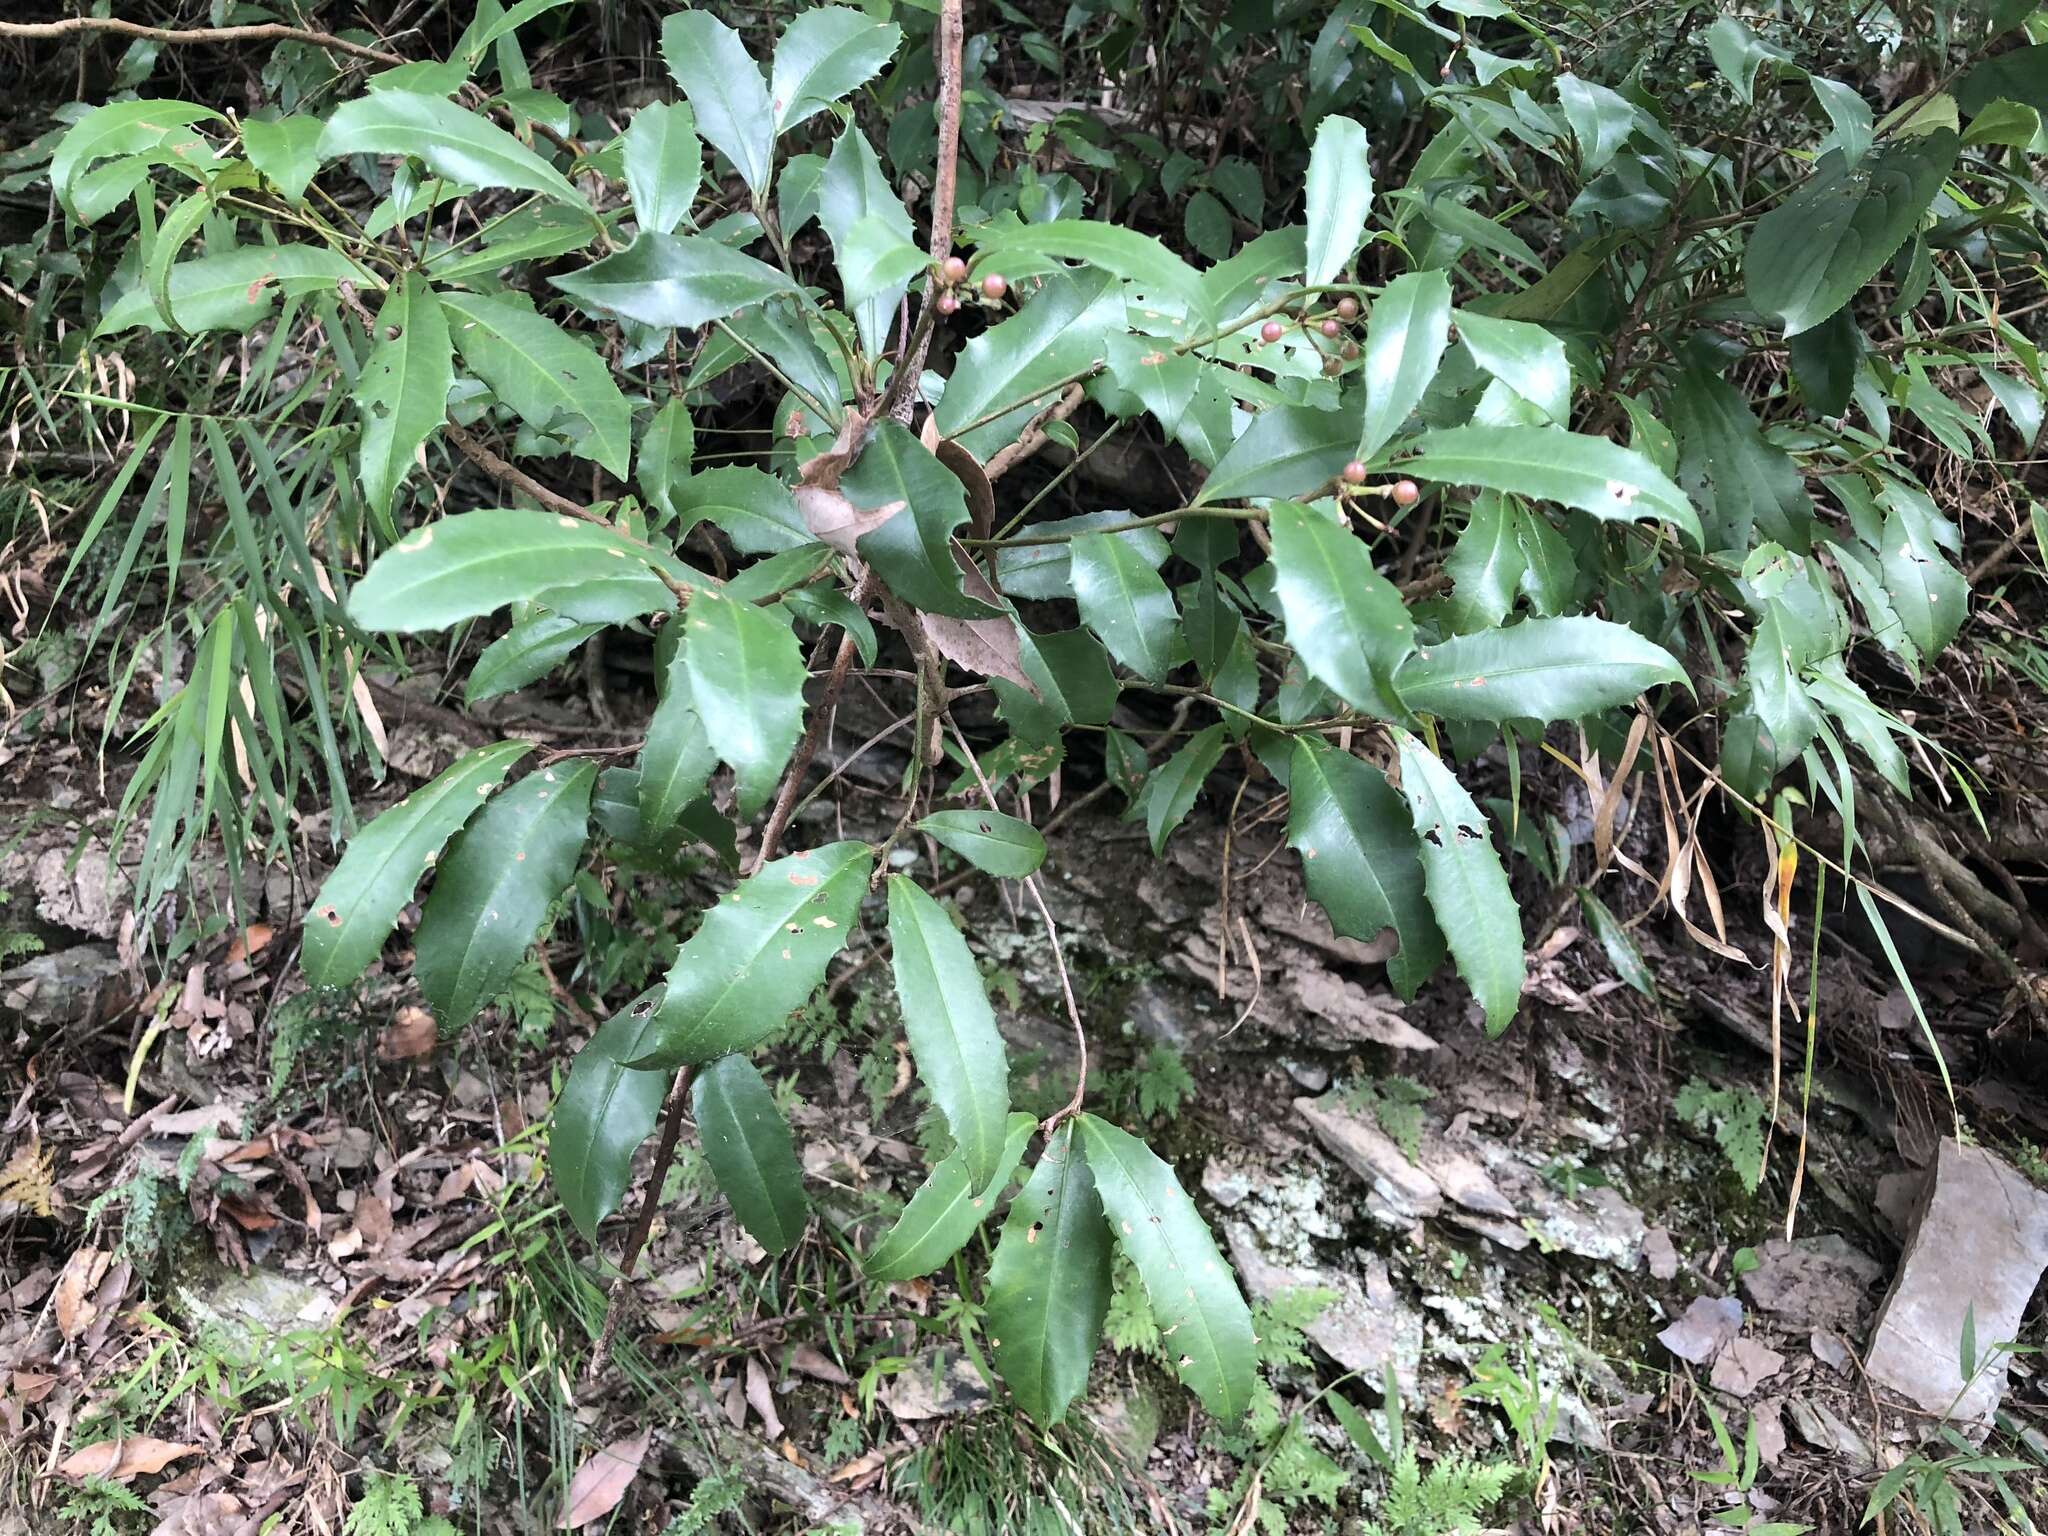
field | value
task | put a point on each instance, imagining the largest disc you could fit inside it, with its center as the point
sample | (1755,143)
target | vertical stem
(946,43)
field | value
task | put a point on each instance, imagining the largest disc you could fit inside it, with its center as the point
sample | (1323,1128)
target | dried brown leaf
(602,1481)
(120,1460)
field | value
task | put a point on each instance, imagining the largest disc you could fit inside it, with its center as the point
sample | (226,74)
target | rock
(1703,1329)
(1829,1350)
(1770,1430)
(1128,1412)
(1810,1281)
(244,1315)
(1401,1188)
(1825,1430)
(1977,1247)
(1744,1366)
(1898,1197)
(67,986)
(940,1383)
(1306,1073)
(1366,1326)
(1661,1254)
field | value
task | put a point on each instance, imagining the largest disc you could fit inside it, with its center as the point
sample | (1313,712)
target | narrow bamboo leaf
(726,90)
(1205,1327)
(1048,1286)
(1360,859)
(1467,886)
(606,1110)
(475,563)
(1339,196)
(1405,336)
(1539,669)
(1611,482)
(664,165)
(1124,601)
(543,373)
(747,676)
(403,388)
(759,954)
(944,1213)
(524,654)
(1170,790)
(234,290)
(952,1029)
(492,893)
(1288,450)
(746,1141)
(455,143)
(827,52)
(1807,256)
(913,549)
(994,843)
(675,280)
(677,755)
(1346,622)
(359,905)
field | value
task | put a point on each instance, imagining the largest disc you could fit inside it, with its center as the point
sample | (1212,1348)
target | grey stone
(1811,1282)
(1978,1245)
(1745,1365)
(66,986)
(1366,1326)
(1703,1329)
(1825,1430)
(244,1315)
(1360,1145)
(941,1383)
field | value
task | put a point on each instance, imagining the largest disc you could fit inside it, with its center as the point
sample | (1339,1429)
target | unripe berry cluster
(953,276)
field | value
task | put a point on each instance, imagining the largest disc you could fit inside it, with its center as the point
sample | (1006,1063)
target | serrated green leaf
(993,843)
(1126,253)
(1468,889)
(527,652)
(747,676)
(759,954)
(402,391)
(913,550)
(664,162)
(667,448)
(1486,565)
(1601,119)
(234,290)
(1405,334)
(358,906)
(1046,570)
(1170,789)
(747,1143)
(1609,481)
(1539,669)
(853,188)
(827,52)
(530,234)
(1359,858)
(1048,1286)
(474,563)
(1288,450)
(725,88)
(1742,480)
(2018,74)
(1007,372)
(605,1111)
(753,508)
(492,893)
(1205,1328)
(285,150)
(1525,357)
(944,1212)
(543,372)
(675,280)
(1339,196)
(952,1029)
(453,142)
(677,755)
(116,129)
(1346,622)
(1124,601)
(1807,256)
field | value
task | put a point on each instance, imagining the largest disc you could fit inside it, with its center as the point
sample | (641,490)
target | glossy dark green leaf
(1525,357)
(1622,952)
(1170,789)
(285,150)
(1136,257)
(1288,450)
(1405,335)
(667,448)
(679,280)
(913,549)
(1539,669)
(1360,859)
(664,165)
(358,906)
(543,372)
(1339,196)
(1486,565)
(1807,256)
(492,893)
(677,754)
(402,391)
(1609,481)
(992,842)
(1205,1327)
(746,1141)
(726,91)
(747,677)
(952,1029)
(1124,601)
(1048,1287)
(233,290)
(753,508)
(524,654)
(854,188)
(1046,570)
(117,129)
(1346,622)
(454,143)
(2018,74)
(1742,481)
(827,52)
(1468,888)
(1930,596)
(605,1111)
(1007,373)
(759,954)
(944,1213)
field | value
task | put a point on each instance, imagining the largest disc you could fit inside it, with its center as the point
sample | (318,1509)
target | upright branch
(902,391)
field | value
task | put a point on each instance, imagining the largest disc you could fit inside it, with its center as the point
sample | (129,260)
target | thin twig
(509,474)
(902,391)
(799,764)
(643,1224)
(265,32)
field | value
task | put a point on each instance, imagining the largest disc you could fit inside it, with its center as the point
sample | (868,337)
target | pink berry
(953,270)
(995,285)
(1347,308)
(1349,351)
(1354,473)
(1332,329)
(1272,331)
(1406,493)
(948,304)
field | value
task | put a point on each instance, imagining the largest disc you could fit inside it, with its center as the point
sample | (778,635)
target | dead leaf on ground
(82,1272)
(761,1397)
(120,1460)
(601,1482)
(202,1514)
(408,1037)
(250,941)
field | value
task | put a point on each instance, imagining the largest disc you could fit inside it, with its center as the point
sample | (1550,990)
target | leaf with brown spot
(602,1481)
(120,1460)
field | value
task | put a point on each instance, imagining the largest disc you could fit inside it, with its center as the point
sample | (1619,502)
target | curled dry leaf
(602,1481)
(986,647)
(73,1302)
(120,1460)
(829,515)
(981,496)
(408,1036)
